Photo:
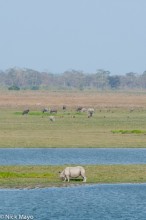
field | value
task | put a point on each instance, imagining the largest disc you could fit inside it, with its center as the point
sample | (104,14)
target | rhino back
(73,171)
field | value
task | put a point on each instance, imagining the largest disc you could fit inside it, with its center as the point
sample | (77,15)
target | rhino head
(62,175)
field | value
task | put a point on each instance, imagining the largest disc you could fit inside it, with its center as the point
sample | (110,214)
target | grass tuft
(129,132)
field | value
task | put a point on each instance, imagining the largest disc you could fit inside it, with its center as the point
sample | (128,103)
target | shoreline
(72,185)
(75,147)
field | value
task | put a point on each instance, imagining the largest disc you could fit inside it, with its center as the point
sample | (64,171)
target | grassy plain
(119,119)
(48,176)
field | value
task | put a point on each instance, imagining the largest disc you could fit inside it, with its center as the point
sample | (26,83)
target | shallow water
(89,202)
(53,156)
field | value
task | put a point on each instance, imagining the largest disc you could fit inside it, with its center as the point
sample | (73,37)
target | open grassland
(48,176)
(119,120)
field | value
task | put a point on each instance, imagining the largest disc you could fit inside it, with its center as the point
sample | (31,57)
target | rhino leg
(64,179)
(84,179)
(67,178)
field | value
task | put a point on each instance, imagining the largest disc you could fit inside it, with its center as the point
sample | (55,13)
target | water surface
(89,202)
(59,156)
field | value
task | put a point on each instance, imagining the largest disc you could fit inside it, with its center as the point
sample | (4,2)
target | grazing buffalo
(45,110)
(73,172)
(25,112)
(64,107)
(53,110)
(79,109)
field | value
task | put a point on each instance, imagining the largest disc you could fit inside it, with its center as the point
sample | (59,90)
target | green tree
(102,79)
(114,82)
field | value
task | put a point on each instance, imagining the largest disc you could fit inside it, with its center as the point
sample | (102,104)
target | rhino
(73,172)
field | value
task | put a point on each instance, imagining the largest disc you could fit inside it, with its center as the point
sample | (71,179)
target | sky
(85,35)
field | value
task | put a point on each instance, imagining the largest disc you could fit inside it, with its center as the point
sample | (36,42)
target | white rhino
(73,172)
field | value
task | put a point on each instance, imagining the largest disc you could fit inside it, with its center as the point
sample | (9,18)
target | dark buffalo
(25,112)
(64,107)
(79,109)
(53,110)
(45,110)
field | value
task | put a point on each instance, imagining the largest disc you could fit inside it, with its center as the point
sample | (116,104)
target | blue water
(89,202)
(43,156)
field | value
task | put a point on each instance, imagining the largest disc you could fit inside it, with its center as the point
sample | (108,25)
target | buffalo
(25,112)
(45,110)
(79,109)
(64,107)
(53,110)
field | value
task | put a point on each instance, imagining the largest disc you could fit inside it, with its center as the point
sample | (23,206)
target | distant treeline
(17,79)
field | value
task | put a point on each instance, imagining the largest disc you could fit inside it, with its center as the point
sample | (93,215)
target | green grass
(60,114)
(129,132)
(71,129)
(48,176)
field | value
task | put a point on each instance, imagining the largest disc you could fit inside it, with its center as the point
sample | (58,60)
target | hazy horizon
(55,36)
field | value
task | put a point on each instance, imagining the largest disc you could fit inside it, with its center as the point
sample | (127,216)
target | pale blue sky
(57,35)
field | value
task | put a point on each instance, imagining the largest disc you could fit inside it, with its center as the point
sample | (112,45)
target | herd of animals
(68,172)
(90,111)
